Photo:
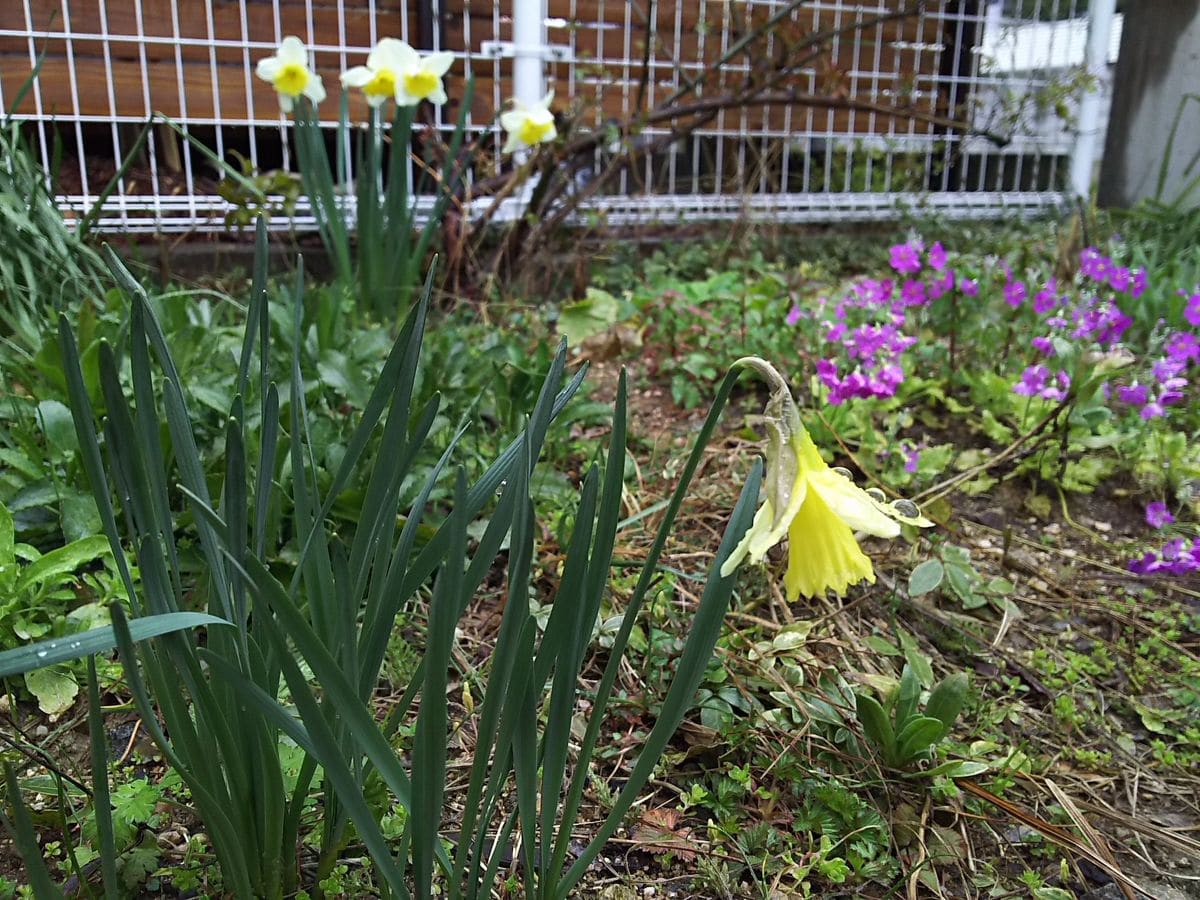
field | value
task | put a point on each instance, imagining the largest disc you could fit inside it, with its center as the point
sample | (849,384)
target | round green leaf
(925,577)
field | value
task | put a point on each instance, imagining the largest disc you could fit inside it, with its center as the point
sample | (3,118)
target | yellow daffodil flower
(818,508)
(395,71)
(528,125)
(289,74)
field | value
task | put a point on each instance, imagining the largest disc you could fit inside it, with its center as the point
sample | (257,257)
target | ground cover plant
(435,607)
(1052,599)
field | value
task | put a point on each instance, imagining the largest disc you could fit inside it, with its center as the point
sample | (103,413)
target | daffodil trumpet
(817,507)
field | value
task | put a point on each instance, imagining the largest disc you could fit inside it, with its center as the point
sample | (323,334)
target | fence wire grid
(1015,68)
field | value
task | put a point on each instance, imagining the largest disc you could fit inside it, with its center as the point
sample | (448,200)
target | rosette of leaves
(901,734)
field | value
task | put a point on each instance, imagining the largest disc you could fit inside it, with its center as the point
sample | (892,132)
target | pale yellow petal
(315,89)
(268,68)
(853,505)
(438,63)
(390,53)
(357,77)
(292,50)
(513,144)
(762,523)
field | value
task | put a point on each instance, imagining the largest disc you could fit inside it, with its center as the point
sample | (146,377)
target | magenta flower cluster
(1072,319)
(1164,382)
(1177,557)
(864,330)
(1102,271)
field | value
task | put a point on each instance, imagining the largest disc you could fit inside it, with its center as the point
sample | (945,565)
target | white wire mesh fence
(1011,68)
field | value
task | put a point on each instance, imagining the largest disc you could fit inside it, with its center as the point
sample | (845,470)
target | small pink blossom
(937,256)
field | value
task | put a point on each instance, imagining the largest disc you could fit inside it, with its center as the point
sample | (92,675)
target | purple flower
(1033,381)
(1152,410)
(1014,293)
(1043,345)
(969,286)
(937,256)
(1157,515)
(912,458)
(793,315)
(906,258)
(1191,312)
(1134,394)
(827,371)
(1046,299)
(942,285)
(1139,284)
(1167,369)
(1056,390)
(1145,565)
(913,293)
(1119,278)
(1175,558)
(1095,265)
(1183,346)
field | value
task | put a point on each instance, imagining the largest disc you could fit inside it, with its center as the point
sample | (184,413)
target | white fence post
(529,81)
(1087,134)
(529,48)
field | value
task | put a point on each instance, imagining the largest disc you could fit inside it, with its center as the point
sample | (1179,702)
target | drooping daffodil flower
(288,72)
(395,71)
(819,508)
(528,124)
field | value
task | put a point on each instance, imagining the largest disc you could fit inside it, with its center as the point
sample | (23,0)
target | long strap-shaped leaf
(637,598)
(429,742)
(507,677)
(101,805)
(291,624)
(98,640)
(21,828)
(233,862)
(689,672)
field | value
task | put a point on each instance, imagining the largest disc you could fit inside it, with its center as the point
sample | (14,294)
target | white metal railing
(111,63)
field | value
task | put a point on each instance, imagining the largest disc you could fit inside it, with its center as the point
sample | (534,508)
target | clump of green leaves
(333,615)
(38,600)
(903,735)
